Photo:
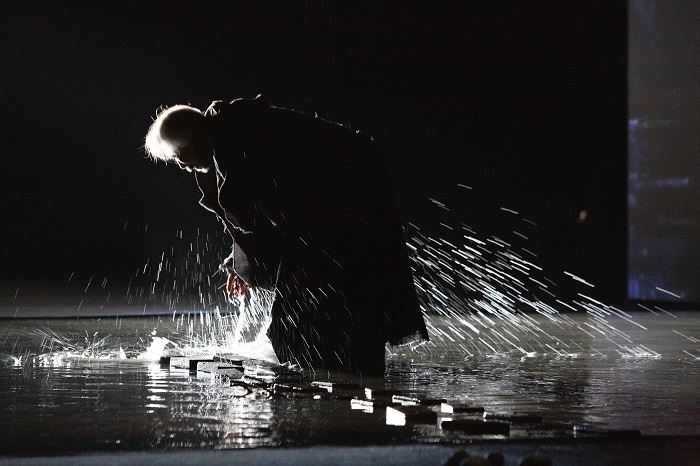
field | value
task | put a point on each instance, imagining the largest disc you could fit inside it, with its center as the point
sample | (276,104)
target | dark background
(525,102)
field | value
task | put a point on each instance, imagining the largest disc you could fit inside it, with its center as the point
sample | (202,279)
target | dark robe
(312,214)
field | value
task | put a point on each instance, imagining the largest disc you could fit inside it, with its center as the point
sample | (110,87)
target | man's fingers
(240,287)
(235,286)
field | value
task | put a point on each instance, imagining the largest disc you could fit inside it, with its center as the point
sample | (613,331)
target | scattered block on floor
(414,400)
(460,409)
(514,418)
(402,415)
(477,427)
(187,363)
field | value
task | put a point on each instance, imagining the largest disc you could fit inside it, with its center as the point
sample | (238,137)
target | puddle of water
(66,386)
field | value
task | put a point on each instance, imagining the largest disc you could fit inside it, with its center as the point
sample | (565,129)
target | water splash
(204,333)
(185,277)
(242,332)
(487,295)
(480,295)
(159,347)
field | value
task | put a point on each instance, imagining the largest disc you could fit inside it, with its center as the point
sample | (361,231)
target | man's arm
(236,264)
(210,192)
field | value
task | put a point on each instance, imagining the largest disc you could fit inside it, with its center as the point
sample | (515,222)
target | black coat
(312,214)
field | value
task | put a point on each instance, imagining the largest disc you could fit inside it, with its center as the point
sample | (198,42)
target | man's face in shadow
(196,156)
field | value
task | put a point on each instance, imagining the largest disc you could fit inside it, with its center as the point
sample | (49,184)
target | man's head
(181,134)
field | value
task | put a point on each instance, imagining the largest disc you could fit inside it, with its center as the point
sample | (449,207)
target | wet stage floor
(65,390)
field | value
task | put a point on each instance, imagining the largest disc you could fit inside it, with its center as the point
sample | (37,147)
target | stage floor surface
(582,389)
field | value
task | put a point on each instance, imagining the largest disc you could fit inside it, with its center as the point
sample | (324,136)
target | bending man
(309,207)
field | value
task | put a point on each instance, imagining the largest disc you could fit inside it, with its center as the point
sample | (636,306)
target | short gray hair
(172,131)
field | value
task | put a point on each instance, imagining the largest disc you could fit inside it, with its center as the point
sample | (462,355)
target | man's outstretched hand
(235,286)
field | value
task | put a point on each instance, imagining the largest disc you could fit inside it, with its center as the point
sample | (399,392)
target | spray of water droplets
(487,295)
(185,277)
(480,295)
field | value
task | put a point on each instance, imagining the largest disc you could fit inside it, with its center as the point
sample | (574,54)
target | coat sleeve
(259,240)
(208,185)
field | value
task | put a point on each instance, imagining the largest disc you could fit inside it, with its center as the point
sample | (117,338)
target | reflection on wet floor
(584,387)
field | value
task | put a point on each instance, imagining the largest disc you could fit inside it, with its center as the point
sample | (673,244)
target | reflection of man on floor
(310,208)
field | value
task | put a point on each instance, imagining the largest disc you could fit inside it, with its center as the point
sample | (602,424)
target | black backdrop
(525,102)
